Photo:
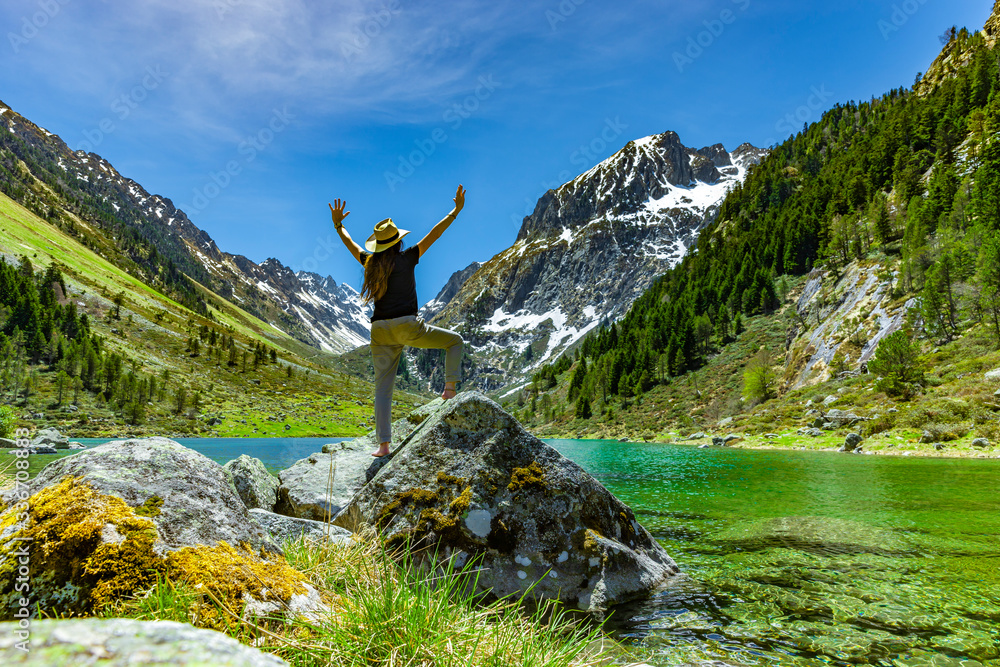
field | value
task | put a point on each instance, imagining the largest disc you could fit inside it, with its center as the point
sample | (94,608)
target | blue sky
(253,114)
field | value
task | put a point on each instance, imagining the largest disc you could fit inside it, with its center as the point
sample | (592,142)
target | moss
(530,477)
(415,497)
(460,505)
(444,478)
(151,507)
(231,575)
(70,531)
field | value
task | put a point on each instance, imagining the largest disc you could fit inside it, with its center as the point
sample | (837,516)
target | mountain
(858,264)
(588,250)
(157,243)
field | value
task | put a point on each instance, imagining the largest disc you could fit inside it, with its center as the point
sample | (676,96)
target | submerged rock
(472,485)
(123,641)
(255,485)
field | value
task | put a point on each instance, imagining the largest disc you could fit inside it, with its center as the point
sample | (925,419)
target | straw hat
(386,235)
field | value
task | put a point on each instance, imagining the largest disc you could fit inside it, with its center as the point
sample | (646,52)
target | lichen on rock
(471,481)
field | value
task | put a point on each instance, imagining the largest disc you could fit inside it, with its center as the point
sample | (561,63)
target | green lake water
(790,557)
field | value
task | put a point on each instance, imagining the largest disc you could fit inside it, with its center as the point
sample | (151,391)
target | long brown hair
(378,266)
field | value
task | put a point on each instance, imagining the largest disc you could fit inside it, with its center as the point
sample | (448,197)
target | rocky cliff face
(588,251)
(314,310)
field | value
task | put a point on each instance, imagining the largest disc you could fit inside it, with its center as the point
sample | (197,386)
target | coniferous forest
(912,176)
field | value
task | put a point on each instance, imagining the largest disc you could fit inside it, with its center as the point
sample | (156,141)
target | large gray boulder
(307,491)
(121,642)
(472,485)
(7,444)
(196,504)
(255,485)
(105,522)
(285,528)
(50,437)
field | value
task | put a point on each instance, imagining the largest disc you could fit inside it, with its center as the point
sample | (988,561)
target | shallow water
(789,557)
(810,558)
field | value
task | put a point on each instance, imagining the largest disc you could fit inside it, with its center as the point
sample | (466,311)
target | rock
(198,504)
(718,442)
(255,485)
(927,437)
(106,521)
(771,436)
(997,392)
(50,437)
(70,408)
(123,641)
(214,421)
(696,436)
(418,416)
(852,441)
(704,446)
(993,374)
(474,486)
(814,432)
(732,438)
(288,427)
(7,444)
(77,445)
(812,413)
(831,399)
(824,536)
(725,422)
(840,418)
(892,410)
(43,450)
(980,442)
(938,446)
(284,528)
(818,422)
(305,490)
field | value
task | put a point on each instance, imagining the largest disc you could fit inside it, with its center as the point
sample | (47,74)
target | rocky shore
(465,484)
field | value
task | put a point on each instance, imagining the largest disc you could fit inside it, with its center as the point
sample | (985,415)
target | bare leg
(449,391)
(383,450)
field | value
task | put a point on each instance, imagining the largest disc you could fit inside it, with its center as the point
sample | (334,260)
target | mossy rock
(122,641)
(89,551)
(472,485)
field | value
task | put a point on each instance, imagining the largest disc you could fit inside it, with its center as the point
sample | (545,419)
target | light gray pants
(388,339)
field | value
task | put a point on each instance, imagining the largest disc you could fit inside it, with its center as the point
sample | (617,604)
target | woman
(389,282)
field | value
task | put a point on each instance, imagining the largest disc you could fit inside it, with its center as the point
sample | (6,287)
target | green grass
(387,615)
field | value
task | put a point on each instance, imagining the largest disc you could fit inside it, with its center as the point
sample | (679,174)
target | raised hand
(337,212)
(460,198)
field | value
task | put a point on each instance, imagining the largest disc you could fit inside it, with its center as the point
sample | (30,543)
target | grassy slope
(316,401)
(957,405)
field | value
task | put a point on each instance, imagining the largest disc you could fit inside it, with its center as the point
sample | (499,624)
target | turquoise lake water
(790,557)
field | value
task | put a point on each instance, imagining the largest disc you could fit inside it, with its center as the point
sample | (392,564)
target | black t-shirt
(400,296)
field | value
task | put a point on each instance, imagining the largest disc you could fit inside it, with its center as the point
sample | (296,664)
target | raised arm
(338,214)
(439,228)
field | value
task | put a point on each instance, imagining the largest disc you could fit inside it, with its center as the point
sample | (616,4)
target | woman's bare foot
(449,391)
(383,450)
